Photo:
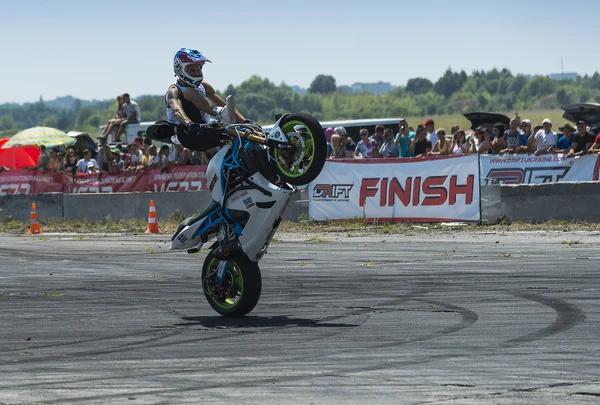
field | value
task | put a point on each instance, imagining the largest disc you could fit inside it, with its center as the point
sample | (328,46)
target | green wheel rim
(308,150)
(234,278)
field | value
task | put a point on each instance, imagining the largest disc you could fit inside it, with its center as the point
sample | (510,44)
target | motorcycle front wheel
(301,161)
(240,290)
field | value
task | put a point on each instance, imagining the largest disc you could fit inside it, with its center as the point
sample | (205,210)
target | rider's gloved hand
(247,121)
(194,128)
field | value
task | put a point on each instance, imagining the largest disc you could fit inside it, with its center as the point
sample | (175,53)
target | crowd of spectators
(425,140)
(141,155)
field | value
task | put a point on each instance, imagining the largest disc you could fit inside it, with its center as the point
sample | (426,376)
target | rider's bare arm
(212,95)
(175,105)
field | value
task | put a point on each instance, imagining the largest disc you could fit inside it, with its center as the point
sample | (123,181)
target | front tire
(240,291)
(304,163)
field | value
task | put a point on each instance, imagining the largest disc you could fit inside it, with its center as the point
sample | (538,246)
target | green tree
(323,84)
(418,85)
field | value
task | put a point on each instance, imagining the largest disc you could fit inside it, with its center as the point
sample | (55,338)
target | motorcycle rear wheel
(240,291)
(304,162)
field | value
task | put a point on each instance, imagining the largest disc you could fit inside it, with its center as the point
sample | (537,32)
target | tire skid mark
(567,317)
(259,381)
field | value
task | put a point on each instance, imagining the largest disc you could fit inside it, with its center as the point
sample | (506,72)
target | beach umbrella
(37,136)
(18,157)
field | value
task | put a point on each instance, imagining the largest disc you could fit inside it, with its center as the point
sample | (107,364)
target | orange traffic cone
(152,223)
(34,226)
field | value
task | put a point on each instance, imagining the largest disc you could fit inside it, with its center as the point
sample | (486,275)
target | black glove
(194,128)
(247,121)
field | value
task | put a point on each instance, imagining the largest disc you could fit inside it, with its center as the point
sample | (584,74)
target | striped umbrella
(37,136)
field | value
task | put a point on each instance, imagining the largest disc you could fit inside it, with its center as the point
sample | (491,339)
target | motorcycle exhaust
(227,250)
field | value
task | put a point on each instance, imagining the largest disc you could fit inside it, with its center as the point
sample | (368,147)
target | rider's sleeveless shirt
(189,108)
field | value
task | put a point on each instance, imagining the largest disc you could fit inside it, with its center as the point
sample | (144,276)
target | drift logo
(332,192)
(526,176)
(417,191)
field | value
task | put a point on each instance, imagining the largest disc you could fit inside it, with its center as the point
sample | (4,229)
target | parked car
(487,120)
(589,112)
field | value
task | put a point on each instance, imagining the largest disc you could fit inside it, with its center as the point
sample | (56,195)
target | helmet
(340,131)
(182,59)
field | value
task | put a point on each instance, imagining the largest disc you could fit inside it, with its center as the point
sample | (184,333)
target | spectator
(328,132)
(441,147)
(180,156)
(389,148)
(163,157)
(152,160)
(339,147)
(118,165)
(420,145)
(565,142)
(136,154)
(403,139)
(145,157)
(378,135)
(460,146)
(582,141)
(512,138)
(43,160)
(524,136)
(595,148)
(481,143)
(104,156)
(498,142)
(431,133)
(118,118)
(347,141)
(70,161)
(132,111)
(55,163)
(545,140)
(453,130)
(87,164)
(366,147)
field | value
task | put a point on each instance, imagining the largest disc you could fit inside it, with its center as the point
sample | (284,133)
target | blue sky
(97,49)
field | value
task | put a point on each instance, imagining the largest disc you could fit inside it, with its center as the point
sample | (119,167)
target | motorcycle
(251,180)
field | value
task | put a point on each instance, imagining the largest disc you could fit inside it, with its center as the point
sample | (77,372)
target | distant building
(375,88)
(563,76)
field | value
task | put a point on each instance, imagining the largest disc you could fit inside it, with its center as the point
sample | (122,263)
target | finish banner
(531,169)
(176,179)
(434,189)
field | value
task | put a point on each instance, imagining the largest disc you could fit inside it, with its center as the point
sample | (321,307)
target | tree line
(260,99)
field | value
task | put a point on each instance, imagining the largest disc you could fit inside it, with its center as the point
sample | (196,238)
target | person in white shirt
(132,110)
(87,164)
(545,139)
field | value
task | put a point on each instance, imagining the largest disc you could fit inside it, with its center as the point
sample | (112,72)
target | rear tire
(241,288)
(315,150)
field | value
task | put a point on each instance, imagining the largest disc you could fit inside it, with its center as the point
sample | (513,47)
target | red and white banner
(416,189)
(531,169)
(26,182)
(179,179)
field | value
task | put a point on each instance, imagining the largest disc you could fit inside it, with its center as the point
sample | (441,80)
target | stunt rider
(188,104)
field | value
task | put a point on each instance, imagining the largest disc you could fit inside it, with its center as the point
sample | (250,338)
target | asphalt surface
(427,318)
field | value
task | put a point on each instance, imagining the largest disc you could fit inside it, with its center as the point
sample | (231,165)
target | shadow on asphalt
(259,322)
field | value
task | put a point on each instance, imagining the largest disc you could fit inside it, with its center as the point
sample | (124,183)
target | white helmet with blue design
(185,57)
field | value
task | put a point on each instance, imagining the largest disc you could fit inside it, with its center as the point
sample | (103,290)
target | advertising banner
(416,189)
(531,169)
(30,182)
(175,179)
